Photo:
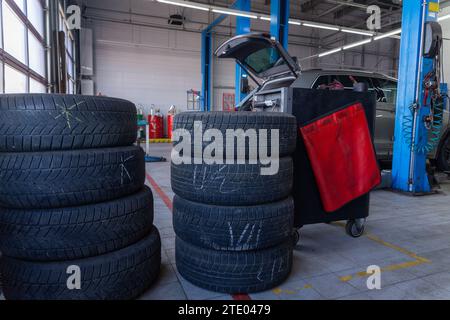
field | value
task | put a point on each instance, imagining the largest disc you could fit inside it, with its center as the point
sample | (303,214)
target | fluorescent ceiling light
(265,18)
(444,17)
(235,13)
(320,26)
(327,53)
(297,23)
(185,4)
(357,44)
(388,34)
(363,33)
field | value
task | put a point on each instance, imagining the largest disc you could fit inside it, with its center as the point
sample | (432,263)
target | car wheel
(443,157)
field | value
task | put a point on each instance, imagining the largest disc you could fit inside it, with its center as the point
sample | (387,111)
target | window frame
(69,35)
(13,62)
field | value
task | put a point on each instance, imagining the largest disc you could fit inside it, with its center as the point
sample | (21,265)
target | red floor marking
(160,192)
(241,297)
(169,205)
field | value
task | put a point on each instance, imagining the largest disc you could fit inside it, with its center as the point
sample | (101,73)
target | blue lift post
(242,27)
(206,61)
(409,162)
(279,21)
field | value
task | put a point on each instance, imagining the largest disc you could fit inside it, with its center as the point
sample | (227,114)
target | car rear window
(321,82)
(263,60)
(386,90)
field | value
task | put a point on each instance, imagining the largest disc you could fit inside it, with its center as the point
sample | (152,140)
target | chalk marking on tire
(243,233)
(258,276)
(123,169)
(231,234)
(66,112)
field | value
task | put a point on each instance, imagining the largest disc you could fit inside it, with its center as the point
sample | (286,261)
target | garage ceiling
(343,12)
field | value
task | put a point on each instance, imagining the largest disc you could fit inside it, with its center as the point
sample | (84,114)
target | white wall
(446,29)
(148,67)
(149,64)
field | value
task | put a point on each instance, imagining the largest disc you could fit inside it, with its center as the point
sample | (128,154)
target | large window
(22,51)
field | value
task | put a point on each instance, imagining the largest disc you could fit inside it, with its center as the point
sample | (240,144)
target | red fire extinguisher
(155,121)
(170,115)
(169,125)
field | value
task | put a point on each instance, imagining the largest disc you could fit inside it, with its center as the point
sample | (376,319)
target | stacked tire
(234,226)
(76,221)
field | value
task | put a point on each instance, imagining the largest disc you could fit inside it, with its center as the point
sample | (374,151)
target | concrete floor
(408,237)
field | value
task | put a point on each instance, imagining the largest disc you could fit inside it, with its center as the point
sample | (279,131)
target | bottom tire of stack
(234,272)
(240,249)
(118,275)
(108,241)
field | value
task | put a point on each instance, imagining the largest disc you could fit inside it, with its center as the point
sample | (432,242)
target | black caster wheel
(355,228)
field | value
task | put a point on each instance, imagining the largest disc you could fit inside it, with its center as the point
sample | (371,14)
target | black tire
(58,179)
(119,275)
(223,121)
(232,184)
(443,156)
(76,232)
(234,272)
(44,122)
(233,228)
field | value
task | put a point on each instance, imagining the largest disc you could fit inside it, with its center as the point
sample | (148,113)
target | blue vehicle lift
(206,59)
(242,27)
(207,49)
(279,28)
(409,161)
(206,63)
(279,21)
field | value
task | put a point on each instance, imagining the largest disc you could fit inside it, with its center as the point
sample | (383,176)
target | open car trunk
(262,57)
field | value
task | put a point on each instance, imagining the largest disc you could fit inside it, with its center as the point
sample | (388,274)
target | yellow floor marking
(417,259)
(160,140)
(392,267)
(279,291)
(397,248)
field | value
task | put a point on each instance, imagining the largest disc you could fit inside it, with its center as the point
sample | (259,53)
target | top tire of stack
(285,124)
(50,122)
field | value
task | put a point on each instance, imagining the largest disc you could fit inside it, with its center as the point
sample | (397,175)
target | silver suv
(273,70)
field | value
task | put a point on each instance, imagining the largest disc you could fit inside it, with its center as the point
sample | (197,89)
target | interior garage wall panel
(149,65)
(145,66)
(446,29)
(223,76)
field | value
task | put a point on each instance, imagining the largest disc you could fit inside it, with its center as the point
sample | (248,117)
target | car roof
(356,72)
